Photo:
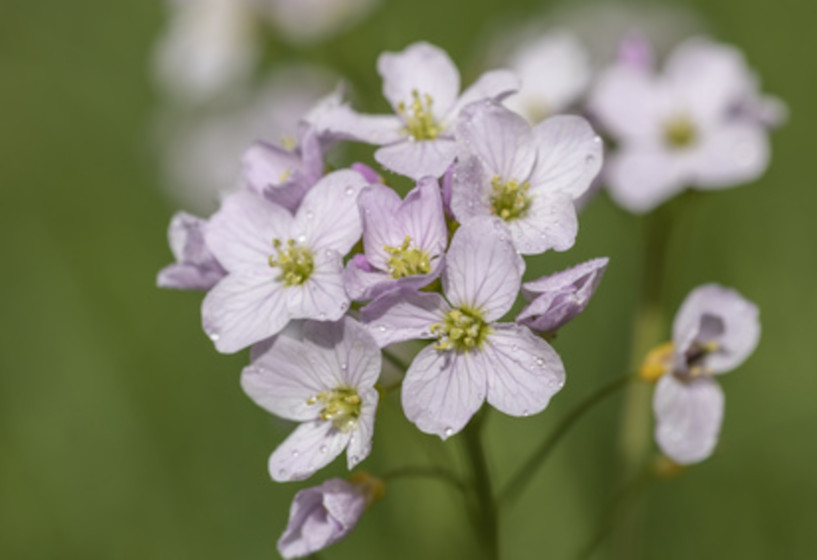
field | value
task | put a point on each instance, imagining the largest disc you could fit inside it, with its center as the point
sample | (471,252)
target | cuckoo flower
(195,268)
(701,123)
(558,298)
(715,330)
(323,515)
(324,381)
(422,85)
(404,241)
(528,177)
(280,266)
(555,72)
(475,357)
(282,174)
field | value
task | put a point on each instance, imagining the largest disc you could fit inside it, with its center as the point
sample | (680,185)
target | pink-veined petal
(403,315)
(550,223)
(482,269)
(494,84)
(360,442)
(323,295)
(309,448)
(418,158)
(442,391)
(523,371)
(639,180)
(422,68)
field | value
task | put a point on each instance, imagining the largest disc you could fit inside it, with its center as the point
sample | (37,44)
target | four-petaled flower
(714,331)
(326,382)
(422,85)
(280,267)
(528,177)
(474,357)
(404,241)
(195,268)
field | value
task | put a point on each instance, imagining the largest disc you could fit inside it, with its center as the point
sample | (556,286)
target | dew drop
(323,449)
(214,336)
(295,453)
(597,140)
(282,473)
(540,362)
(381,328)
(309,214)
(448,432)
(322,317)
(350,190)
(526,413)
(354,458)
(590,159)
(302,238)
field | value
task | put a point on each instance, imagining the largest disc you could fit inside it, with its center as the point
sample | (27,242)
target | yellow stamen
(420,122)
(510,199)
(296,262)
(407,260)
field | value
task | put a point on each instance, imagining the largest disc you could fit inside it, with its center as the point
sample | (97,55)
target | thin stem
(525,473)
(486,514)
(439,473)
(395,360)
(611,516)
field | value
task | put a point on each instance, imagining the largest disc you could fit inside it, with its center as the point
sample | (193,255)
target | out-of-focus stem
(486,510)
(525,473)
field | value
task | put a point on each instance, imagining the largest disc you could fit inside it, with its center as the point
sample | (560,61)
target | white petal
(418,158)
(738,317)
(312,446)
(482,269)
(423,68)
(328,217)
(501,139)
(523,371)
(731,155)
(550,223)
(442,391)
(360,442)
(688,417)
(345,123)
(629,103)
(323,295)
(470,189)
(244,308)
(642,179)
(349,349)
(240,234)
(570,155)
(495,84)
(378,205)
(403,315)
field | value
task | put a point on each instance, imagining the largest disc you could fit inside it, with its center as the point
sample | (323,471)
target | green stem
(486,510)
(438,473)
(611,517)
(525,473)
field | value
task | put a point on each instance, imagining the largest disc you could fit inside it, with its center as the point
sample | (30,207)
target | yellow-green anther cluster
(419,119)
(680,132)
(406,260)
(294,261)
(462,330)
(341,407)
(510,199)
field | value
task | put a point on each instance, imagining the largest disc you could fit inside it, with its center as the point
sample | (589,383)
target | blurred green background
(123,434)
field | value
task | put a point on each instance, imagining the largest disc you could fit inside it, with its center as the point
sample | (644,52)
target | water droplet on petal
(350,190)
(448,432)
(214,336)
(381,328)
(295,453)
(323,449)
(302,238)
(526,413)
(354,458)
(540,362)
(590,159)
(282,473)
(597,140)
(309,214)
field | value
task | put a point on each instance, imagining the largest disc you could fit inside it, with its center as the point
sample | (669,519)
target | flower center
(341,407)
(510,200)
(294,261)
(419,119)
(659,361)
(461,329)
(406,260)
(680,132)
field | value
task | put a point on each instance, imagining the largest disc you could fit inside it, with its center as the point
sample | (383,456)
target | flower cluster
(318,271)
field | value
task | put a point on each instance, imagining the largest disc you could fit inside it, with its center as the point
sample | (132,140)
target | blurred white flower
(305,21)
(208,47)
(202,153)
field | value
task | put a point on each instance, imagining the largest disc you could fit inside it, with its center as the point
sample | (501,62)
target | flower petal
(738,318)
(328,217)
(347,348)
(495,84)
(360,442)
(570,155)
(482,269)
(629,103)
(642,179)
(422,217)
(244,308)
(344,123)
(559,297)
(312,446)
(240,234)
(323,295)
(501,139)
(731,155)
(550,223)
(195,268)
(523,371)
(378,206)
(442,391)
(688,417)
(403,315)
(422,68)
(418,158)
